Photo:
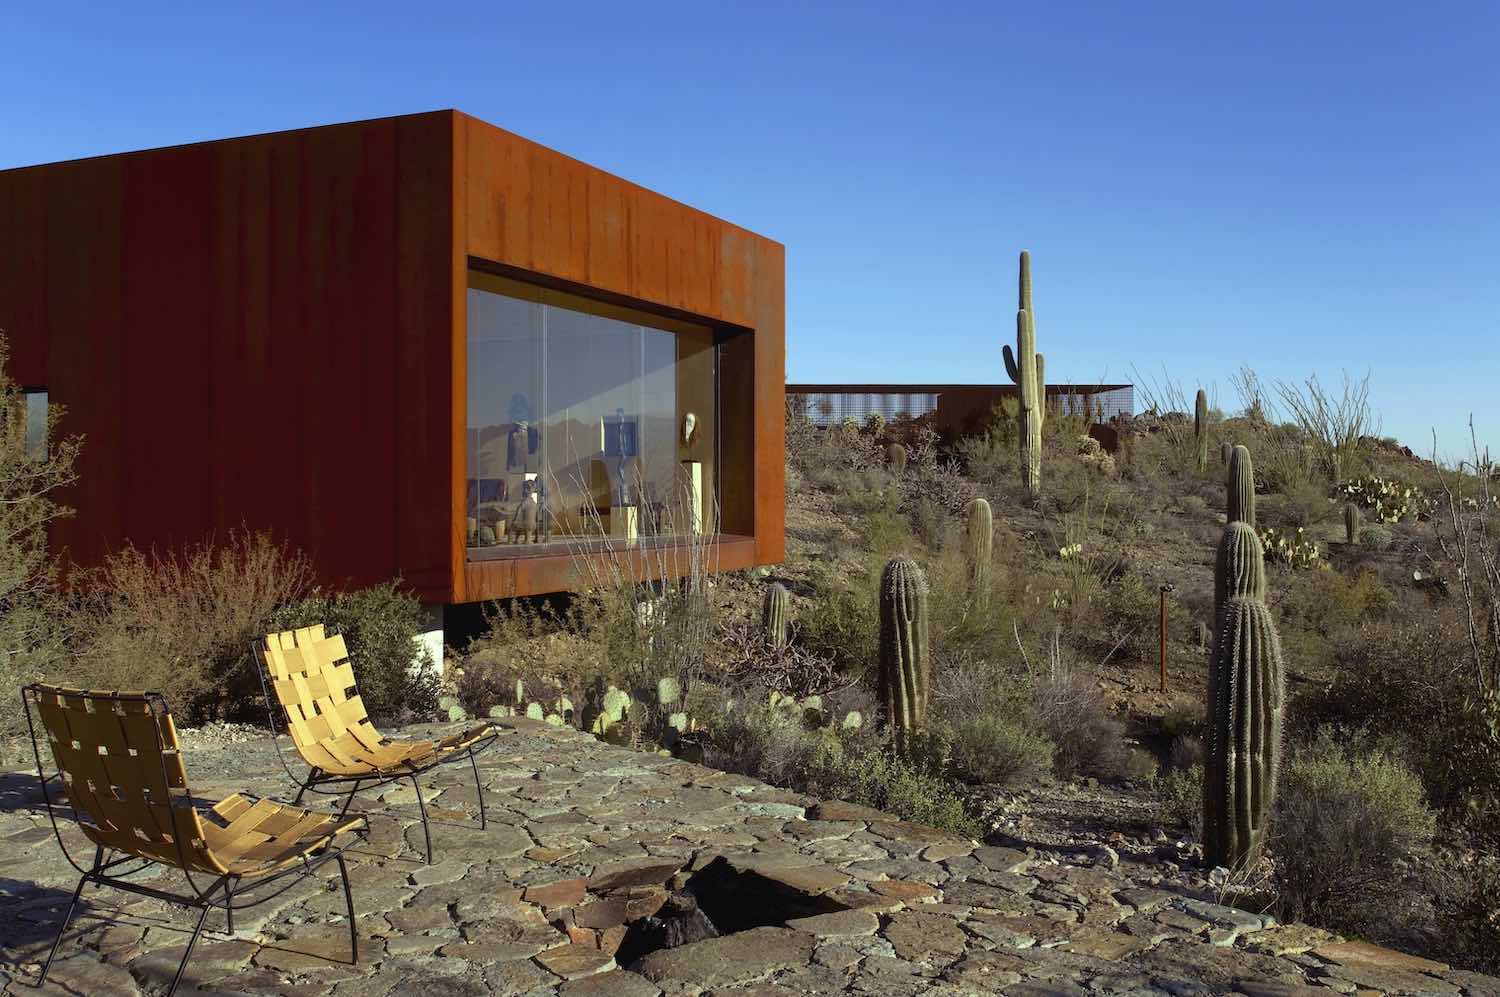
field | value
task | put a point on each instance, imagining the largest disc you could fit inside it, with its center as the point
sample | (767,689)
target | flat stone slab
(740,958)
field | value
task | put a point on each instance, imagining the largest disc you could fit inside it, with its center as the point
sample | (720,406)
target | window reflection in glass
(585,420)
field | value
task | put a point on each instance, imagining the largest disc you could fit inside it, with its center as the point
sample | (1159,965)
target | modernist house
(417,346)
(952,410)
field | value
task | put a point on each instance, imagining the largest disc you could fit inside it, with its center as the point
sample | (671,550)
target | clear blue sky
(1298,187)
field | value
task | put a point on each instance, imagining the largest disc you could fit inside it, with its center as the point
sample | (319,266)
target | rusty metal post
(1163,632)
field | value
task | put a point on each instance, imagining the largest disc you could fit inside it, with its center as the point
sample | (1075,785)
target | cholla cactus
(979,534)
(1245,700)
(905,666)
(1200,427)
(774,612)
(1027,369)
(895,459)
(1351,523)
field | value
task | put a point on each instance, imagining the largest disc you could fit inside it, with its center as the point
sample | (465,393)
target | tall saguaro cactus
(773,614)
(905,668)
(1200,428)
(1351,522)
(1241,486)
(1027,369)
(1245,698)
(979,538)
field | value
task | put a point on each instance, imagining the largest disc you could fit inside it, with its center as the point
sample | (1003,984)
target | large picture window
(586,421)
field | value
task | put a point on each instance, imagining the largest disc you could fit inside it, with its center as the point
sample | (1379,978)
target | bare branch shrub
(1334,421)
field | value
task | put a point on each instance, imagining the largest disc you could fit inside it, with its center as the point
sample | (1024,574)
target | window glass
(578,419)
(36,425)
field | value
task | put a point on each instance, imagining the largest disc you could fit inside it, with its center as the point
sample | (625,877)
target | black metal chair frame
(224,893)
(317,780)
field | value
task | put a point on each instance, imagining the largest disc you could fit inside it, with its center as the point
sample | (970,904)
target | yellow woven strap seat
(313,680)
(121,771)
(309,675)
(122,765)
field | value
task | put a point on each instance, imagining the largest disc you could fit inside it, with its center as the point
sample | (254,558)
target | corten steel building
(952,410)
(417,346)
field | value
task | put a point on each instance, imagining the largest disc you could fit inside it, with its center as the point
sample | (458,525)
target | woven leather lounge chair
(121,771)
(310,676)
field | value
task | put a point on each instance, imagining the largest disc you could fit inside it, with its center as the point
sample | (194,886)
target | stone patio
(586,843)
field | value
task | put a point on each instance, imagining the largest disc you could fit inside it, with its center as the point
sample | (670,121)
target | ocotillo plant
(1245,696)
(979,533)
(905,669)
(1241,487)
(1351,522)
(1028,370)
(1200,428)
(895,459)
(773,614)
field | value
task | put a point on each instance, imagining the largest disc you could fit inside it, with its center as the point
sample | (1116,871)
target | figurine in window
(527,515)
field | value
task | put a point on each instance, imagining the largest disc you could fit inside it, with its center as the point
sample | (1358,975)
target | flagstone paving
(585,845)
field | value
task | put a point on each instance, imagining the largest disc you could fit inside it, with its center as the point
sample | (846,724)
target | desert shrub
(182,623)
(1470,922)
(996,750)
(1348,819)
(397,678)
(843,623)
(1179,797)
(1070,712)
(35,462)
(1377,537)
(858,767)
(993,456)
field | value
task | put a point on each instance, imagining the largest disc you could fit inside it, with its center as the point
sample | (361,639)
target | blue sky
(1297,187)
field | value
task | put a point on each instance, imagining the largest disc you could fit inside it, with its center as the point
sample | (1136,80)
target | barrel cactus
(1245,697)
(1027,369)
(1241,487)
(905,667)
(895,459)
(1200,428)
(773,614)
(979,534)
(1351,522)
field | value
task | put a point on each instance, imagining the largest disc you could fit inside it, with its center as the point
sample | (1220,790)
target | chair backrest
(120,760)
(313,680)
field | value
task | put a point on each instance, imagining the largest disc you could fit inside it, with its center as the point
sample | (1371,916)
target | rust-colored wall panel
(269,332)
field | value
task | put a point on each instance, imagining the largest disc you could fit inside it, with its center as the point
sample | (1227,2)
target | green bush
(1179,794)
(856,766)
(1348,820)
(1470,927)
(997,750)
(397,677)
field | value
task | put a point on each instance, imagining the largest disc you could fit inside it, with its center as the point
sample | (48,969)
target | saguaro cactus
(1241,486)
(1027,369)
(1226,449)
(895,459)
(1200,427)
(773,614)
(1351,522)
(1245,697)
(979,534)
(905,669)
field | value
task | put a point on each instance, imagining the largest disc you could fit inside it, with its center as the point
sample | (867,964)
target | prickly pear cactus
(774,612)
(668,691)
(895,459)
(1241,487)
(1245,699)
(979,538)
(1351,522)
(1200,427)
(1028,370)
(905,668)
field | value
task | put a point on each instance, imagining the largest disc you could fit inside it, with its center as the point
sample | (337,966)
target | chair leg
(349,799)
(478,787)
(67,919)
(349,902)
(197,930)
(426,829)
(229,906)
